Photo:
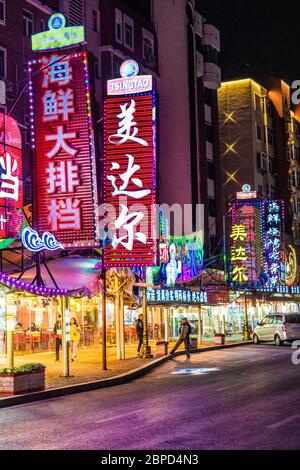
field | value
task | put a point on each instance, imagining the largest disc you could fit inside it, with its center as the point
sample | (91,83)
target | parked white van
(278,328)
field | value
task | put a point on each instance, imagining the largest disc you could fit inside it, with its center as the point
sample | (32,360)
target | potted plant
(23,379)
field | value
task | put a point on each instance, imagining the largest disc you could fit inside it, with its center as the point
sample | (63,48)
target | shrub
(22,370)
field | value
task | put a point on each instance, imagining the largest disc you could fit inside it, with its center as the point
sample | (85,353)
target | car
(278,327)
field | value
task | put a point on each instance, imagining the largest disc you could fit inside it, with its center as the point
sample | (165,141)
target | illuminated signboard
(130,188)
(256,258)
(246,243)
(11,187)
(58,35)
(274,217)
(181,260)
(130,82)
(65,199)
(173,296)
(33,242)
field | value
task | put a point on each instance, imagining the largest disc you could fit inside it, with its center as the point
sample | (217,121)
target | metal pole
(65,336)
(10,349)
(104,358)
(121,320)
(246,326)
(146,348)
(199,326)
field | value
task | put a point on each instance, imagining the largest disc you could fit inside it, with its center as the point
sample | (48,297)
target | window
(148,47)
(258,132)
(2,62)
(211,170)
(43,25)
(256,102)
(262,162)
(2,12)
(272,168)
(119,26)
(270,136)
(128,32)
(28,23)
(96,69)
(95,21)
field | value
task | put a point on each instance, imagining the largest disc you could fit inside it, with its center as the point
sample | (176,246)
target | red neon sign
(130,180)
(65,198)
(11,186)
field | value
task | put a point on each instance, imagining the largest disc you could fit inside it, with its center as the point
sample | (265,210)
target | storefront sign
(174,296)
(274,217)
(58,35)
(130,190)
(11,187)
(130,81)
(65,198)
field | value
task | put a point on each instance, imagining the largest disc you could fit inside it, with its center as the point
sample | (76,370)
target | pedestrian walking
(57,329)
(185,330)
(74,337)
(140,332)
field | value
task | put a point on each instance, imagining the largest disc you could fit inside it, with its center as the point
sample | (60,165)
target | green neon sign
(58,35)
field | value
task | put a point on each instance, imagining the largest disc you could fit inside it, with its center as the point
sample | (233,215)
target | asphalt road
(241,398)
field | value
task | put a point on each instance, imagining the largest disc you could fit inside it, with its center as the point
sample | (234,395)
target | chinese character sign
(130,179)
(11,188)
(246,243)
(274,216)
(65,198)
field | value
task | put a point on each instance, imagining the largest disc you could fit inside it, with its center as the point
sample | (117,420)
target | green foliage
(22,370)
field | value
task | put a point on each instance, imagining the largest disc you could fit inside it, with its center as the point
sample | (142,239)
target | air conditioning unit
(263,162)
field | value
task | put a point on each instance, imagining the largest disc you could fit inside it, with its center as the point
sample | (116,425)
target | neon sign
(130,179)
(33,242)
(11,187)
(58,35)
(274,216)
(169,296)
(65,198)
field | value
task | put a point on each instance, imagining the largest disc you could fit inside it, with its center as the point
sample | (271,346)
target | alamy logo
(296,353)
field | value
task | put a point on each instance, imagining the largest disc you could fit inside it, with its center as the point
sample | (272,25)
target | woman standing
(74,337)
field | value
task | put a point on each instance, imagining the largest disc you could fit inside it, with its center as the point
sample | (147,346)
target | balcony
(211,36)
(212,76)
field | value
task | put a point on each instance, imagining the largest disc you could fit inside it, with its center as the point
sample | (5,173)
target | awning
(76,274)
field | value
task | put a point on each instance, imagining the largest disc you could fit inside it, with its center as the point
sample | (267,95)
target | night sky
(261,33)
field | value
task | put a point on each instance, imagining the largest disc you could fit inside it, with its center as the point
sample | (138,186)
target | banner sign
(169,296)
(130,186)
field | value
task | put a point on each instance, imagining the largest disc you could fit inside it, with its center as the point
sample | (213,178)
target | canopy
(76,274)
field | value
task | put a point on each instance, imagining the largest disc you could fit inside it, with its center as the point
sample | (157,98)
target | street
(241,398)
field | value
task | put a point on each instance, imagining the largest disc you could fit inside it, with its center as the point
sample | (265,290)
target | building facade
(259,144)
(189,76)
(18,21)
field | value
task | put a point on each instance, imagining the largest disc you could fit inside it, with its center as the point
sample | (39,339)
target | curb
(103,383)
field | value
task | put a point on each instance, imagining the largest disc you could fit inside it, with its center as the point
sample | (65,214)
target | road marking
(284,421)
(228,387)
(105,420)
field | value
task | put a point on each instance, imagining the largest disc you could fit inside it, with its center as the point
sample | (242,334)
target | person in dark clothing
(57,329)
(140,332)
(185,330)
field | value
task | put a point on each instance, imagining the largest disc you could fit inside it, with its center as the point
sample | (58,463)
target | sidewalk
(88,366)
